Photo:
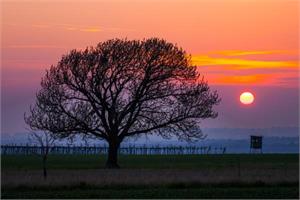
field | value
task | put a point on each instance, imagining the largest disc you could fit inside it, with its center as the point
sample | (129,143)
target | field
(153,176)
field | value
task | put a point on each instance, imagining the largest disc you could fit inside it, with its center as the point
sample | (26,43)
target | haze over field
(238,45)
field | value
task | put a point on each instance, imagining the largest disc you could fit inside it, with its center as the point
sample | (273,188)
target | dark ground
(156,176)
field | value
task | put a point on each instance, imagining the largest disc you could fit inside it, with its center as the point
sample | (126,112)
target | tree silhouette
(45,140)
(123,88)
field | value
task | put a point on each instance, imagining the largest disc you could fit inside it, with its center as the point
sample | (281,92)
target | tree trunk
(44,168)
(112,157)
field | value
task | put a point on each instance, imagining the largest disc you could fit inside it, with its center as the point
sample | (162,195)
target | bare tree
(123,88)
(45,141)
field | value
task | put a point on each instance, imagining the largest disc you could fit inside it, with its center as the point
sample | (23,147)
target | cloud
(35,47)
(40,26)
(223,68)
(72,27)
(93,30)
(83,28)
(234,79)
(239,64)
(289,80)
(245,79)
(259,52)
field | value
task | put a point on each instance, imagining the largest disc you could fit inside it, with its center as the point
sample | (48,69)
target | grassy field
(155,176)
(277,161)
(215,192)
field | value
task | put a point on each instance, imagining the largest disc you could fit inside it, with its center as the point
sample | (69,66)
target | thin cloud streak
(72,27)
(35,47)
(93,30)
(259,52)
(245,79)
(239,64)
(253,80)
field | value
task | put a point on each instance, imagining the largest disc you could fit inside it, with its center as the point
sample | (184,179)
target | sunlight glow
(246,98)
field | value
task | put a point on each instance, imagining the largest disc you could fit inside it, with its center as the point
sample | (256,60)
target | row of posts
(130,150)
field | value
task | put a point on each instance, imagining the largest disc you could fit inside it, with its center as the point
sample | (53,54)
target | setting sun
(246,98)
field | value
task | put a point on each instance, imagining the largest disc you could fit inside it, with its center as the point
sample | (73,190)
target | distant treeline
(129,150)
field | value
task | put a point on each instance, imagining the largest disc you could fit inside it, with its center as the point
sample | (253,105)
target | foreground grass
(153,176)
(171,192)
(279,161)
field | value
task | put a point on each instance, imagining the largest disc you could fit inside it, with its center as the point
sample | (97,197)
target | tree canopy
(123,88)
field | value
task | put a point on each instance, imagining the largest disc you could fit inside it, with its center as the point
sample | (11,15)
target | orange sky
(232,41)
(237,44)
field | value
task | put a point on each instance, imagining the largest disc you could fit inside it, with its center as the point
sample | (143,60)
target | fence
(130,150)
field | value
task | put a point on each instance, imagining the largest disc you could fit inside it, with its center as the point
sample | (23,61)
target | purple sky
(238,45)
(273,107)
